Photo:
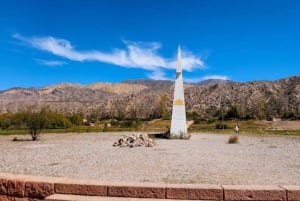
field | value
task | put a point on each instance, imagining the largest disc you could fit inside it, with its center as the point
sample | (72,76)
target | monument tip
(179,68)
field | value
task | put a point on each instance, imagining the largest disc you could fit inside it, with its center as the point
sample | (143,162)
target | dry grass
(233,139)
(161,126)
(157,126)
(251,127)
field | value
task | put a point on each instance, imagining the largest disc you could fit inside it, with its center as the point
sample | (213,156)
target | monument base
(179,136)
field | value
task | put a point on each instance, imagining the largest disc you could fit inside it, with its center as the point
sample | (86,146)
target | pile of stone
(134,140)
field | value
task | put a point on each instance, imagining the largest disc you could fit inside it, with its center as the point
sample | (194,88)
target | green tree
(36,121)
(196,118)
(232,113)
(165,115)
(18,120)
(57,121)
(76,119)
(5,121)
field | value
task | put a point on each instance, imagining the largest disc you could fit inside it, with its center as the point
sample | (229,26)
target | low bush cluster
(221,126)
(233,139)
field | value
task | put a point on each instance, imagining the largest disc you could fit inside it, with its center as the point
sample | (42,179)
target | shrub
(233,139)
(76,119)
(232,113)
(221,126)
(105,128)
(288,115)
(210,120)
(56,121)
(197,120)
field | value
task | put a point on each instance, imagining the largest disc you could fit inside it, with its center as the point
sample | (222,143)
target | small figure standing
(237,129)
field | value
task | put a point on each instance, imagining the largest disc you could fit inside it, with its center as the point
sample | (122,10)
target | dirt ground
(285,125)
(204,158)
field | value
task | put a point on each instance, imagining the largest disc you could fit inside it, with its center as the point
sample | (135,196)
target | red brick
(293,192)
(137,190)
(15,187)
(194,192)
(268,193)
(38,189)
(26,199)
(6,198)
(3,186)
(80,189)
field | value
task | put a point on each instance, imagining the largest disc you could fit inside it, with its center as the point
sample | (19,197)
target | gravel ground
(205,158)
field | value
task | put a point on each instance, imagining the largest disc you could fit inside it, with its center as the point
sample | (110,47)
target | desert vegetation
(32,121)
(233,139)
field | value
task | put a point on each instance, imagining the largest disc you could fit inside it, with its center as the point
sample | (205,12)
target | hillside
(259,98)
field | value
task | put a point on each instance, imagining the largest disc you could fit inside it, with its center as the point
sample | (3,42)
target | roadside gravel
(205,158)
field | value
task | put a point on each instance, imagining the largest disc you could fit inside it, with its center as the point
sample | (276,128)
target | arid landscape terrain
(204,159)
(209,98)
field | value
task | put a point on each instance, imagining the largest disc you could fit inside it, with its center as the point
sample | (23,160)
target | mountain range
(145,97)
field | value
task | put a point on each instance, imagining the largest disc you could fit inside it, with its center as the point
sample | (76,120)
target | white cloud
(196,80)
(136,55)
(158,75)
(50,63)
(218,77)
(189,61)
(192,80)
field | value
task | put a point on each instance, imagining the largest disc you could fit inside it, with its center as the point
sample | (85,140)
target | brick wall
(33,188)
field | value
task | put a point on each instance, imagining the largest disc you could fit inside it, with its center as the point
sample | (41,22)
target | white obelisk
(178,122)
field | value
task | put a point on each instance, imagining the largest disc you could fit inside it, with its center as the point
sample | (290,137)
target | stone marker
(178,123)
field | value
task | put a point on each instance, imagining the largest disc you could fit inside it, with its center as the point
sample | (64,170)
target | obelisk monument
(178,123)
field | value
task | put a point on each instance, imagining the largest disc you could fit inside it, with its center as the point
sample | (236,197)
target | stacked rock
(134,140)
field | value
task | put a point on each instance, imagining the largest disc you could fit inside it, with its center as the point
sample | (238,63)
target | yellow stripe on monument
(178,102)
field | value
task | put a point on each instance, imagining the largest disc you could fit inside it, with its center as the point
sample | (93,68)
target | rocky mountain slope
(258,98)
(144,97)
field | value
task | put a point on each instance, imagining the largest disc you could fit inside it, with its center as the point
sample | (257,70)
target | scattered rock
(134,140)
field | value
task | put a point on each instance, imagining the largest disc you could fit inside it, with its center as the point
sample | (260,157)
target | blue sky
(53,41)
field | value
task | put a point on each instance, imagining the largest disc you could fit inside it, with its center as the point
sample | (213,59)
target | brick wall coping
(19,187)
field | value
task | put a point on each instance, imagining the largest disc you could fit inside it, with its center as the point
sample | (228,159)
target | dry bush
(233,139)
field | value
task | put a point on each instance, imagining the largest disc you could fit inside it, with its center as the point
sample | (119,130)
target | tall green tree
(36,121)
